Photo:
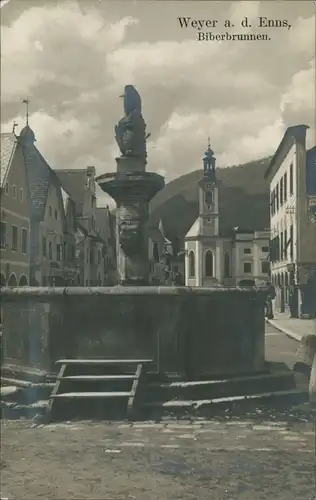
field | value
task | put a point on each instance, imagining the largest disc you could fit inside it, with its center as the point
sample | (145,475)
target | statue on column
(130,132)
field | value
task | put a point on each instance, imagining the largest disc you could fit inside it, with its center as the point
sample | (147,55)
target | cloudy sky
(72,59)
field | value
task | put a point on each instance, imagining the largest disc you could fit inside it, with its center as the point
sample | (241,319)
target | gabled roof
(195,229)
(8,146)
(74,182)
(39,175)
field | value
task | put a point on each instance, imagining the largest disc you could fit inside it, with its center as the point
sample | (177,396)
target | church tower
(203,243)
(208,196)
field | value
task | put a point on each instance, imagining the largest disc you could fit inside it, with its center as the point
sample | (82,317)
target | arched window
(209,264)
(23,280)
(12,280)
(191,264)
(2,280)
(226,265)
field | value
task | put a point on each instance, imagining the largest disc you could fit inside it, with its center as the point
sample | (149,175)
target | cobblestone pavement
(218,460)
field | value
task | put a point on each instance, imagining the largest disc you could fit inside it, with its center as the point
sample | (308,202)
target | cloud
(73,59)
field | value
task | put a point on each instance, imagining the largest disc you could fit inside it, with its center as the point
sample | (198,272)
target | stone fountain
(209,343)
(132,188)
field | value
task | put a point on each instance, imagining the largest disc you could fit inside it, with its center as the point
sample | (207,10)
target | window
(282,244)
(50,251)
(291,242)
(73,252)
(265,267)
(286,244)
(264,249)
(226,266)
(271,203)
(209,267)
(44,246)
(285,187)
(91,256)
(99,256)
(14,238)
(6,188)
(65,251)
(247,251)
(58,251)
(291,179)
(277,198)
(56,215)
(247,267)
(191,264)
(3,235)
(281,191)
(21,194)
(50,211)
(24,240)
(14,191)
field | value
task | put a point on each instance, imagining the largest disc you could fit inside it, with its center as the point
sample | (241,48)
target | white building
(211,258)
(293,235)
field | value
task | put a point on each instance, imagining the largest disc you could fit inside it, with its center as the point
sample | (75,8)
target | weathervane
(26,102)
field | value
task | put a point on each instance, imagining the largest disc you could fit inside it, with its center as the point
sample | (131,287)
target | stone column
(132,188)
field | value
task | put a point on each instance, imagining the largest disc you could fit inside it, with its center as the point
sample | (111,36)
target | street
(279,347)
(249,458)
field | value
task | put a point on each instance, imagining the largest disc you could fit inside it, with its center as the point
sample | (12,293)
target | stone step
(269,399)
(91,395)
(10,391)
(97,361)
(210,389)
(98,378)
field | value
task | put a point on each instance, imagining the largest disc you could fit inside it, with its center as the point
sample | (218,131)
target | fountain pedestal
(132,188)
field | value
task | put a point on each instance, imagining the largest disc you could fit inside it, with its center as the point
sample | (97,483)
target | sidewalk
(292,327)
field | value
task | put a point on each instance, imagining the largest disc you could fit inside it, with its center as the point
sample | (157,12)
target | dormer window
(14,191)
(6,188)
(21,194)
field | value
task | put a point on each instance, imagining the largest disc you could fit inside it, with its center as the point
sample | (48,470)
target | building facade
(15,214)
(91,251)
(48,216)
(69,240)
(106,232)
(291,175)
(213,258)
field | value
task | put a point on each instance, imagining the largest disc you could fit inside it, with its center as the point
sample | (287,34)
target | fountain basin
(144,185)
(190,332)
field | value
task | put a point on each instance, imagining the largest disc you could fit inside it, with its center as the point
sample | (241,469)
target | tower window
(209,264)
(208,198)
(191,264)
